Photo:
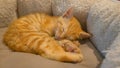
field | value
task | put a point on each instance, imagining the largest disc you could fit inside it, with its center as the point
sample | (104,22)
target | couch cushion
(9,59)
(112,59)
(80,7)
(32,6)
(7,12)
(2,46)
(104,23)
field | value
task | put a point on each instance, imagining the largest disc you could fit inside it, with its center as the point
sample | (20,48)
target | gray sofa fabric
(7,12)
(31,6)
(104,23)
(113,55)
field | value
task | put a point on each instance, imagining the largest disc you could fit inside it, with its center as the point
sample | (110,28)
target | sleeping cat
(49,36)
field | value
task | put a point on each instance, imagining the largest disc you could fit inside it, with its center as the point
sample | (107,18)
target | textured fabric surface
(113,56)
(9,59)
(32,6)
(104,24)
(2,46)
(80,7)
(7,12)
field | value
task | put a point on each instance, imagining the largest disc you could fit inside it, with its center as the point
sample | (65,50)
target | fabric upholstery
(80,8)
(7,12)
(2,46)
(112,59)
(31,6)
(9,59)
(104,24)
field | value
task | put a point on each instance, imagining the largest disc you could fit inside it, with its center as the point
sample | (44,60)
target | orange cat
(47,36)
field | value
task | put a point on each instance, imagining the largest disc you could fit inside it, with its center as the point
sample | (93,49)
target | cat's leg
(46,46)
(54,51)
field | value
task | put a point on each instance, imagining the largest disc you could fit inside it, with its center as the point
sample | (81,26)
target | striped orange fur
(44,35)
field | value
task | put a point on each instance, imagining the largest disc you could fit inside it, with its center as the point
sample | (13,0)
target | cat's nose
(57,38)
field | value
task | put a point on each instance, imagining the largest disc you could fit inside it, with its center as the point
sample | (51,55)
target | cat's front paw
(70,46)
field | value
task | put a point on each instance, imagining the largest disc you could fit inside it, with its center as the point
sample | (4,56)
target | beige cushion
(80,7)
(2,46)
(7,12)
(9,59)
(32,6)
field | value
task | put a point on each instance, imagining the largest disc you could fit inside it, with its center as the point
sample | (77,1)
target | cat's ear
(68,13)
(84,35)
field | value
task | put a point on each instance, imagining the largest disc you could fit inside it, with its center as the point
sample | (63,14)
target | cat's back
(33,18)
(28,25)
(32,21)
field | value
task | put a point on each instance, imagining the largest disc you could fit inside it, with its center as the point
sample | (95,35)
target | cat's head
(68,27)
